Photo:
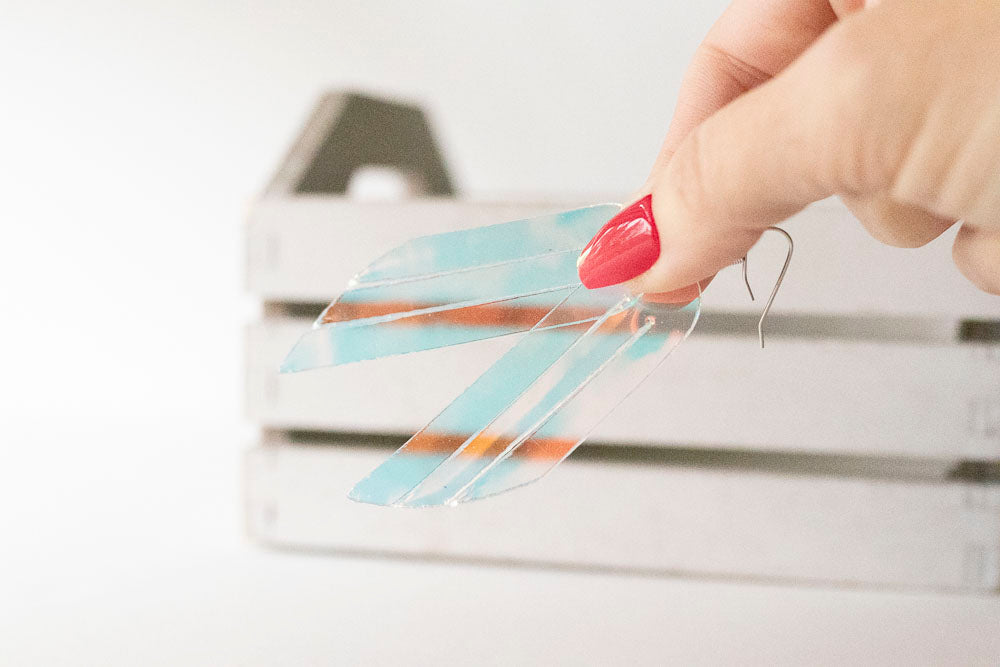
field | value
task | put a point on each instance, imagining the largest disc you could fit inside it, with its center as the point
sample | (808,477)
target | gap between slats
(803,464)
(891,329)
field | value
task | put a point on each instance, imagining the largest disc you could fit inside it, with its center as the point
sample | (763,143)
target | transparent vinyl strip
(448,324)
(452,288)
(531,409)
(499,385)
(657,333)
(481,246)
(468,287)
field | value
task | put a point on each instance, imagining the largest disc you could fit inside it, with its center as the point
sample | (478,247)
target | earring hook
(777,284)
(746,280)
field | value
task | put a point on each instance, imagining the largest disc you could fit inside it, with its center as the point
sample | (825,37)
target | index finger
(752,41)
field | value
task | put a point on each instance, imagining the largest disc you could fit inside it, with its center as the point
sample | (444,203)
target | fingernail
(625,247)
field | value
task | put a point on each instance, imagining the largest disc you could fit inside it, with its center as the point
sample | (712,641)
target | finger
(977,254)
(734,59)
(752,41)
(680,296)
(808,133)
(894,223)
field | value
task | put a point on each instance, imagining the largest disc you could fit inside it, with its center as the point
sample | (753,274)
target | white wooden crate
(867,372)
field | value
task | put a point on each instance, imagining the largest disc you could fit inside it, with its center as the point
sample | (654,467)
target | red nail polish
(625,247)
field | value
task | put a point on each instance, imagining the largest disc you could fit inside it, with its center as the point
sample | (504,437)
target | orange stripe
(485,315)
(550,449)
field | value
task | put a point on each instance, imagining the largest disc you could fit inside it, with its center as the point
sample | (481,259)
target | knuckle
(870,104)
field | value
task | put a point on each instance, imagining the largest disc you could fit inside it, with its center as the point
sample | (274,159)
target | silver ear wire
(777,284)
(746,280)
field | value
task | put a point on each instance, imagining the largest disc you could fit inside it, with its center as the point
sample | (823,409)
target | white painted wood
(306,248)
(846,397)
(922,534)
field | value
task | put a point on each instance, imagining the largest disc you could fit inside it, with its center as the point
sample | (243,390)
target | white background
(134,136)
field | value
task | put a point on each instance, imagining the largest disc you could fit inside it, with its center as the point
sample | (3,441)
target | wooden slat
(921,534)
(844,397)
(306,248)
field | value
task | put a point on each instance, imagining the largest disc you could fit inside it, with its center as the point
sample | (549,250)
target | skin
(893,106)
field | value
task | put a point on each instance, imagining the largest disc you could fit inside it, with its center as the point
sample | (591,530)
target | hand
(895,107)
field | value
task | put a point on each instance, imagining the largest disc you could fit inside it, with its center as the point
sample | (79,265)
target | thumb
(753,163)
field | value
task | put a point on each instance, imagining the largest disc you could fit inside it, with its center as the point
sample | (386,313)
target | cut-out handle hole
(381,183)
